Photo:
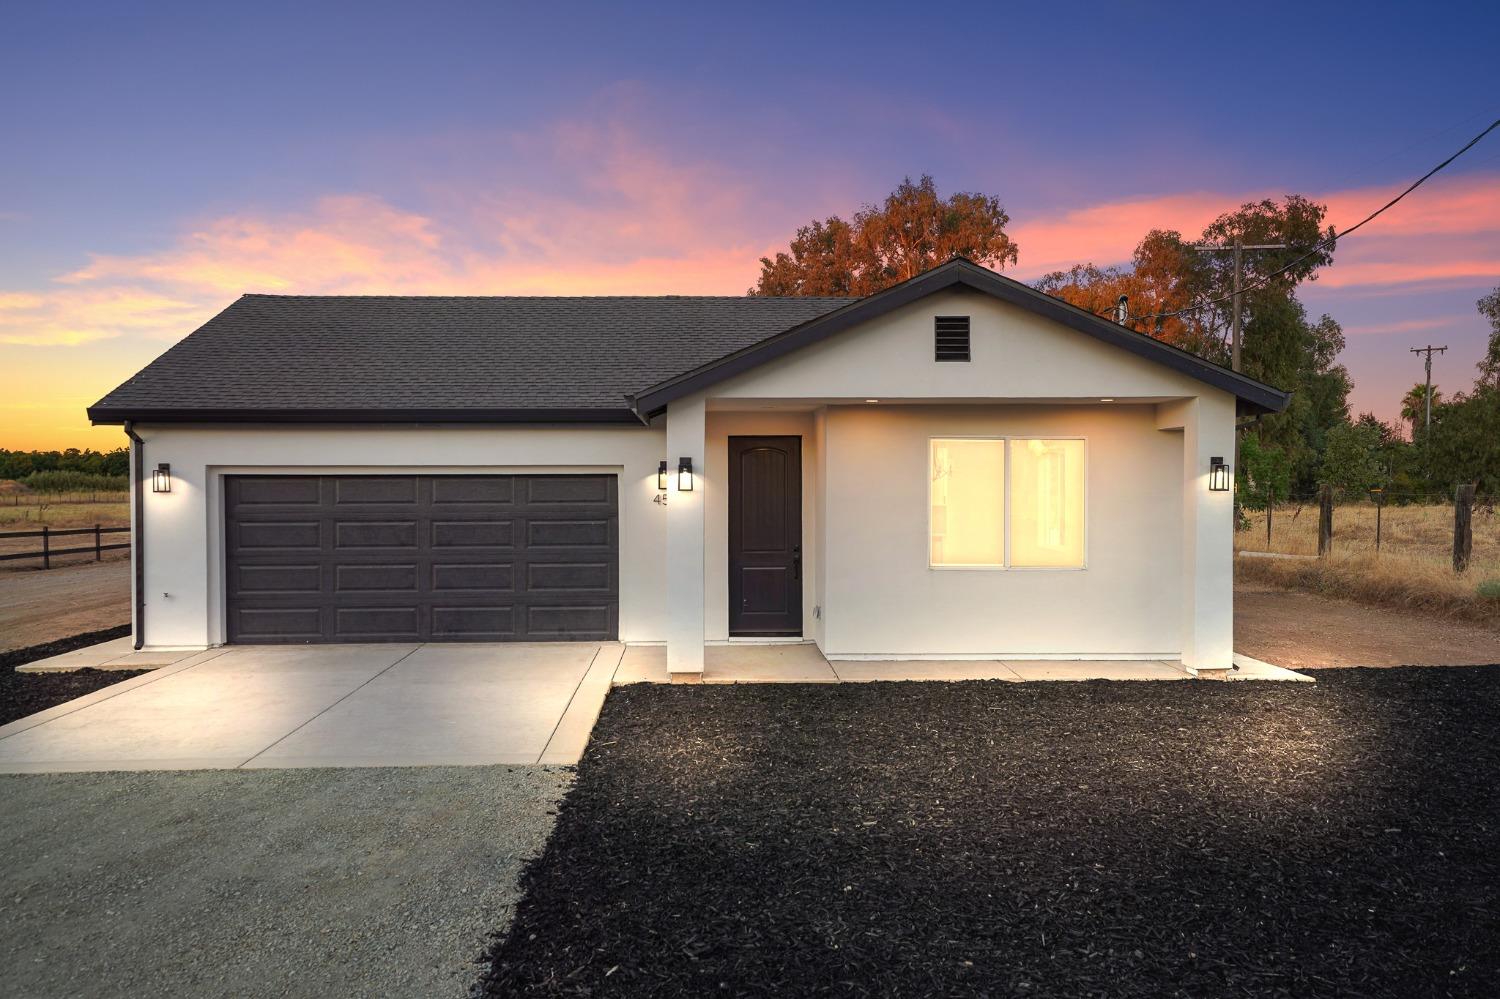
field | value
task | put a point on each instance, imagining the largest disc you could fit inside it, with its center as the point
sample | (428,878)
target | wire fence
(1408,525)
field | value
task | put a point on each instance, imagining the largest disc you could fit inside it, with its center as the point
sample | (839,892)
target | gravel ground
(372,882)
(1308,631)
(23,694)
(38,605)
(1040,839)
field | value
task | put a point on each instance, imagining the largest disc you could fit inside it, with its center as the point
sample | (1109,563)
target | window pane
(1046,503)
(968,512)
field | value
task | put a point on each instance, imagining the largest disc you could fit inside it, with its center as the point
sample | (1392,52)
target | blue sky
(163,158)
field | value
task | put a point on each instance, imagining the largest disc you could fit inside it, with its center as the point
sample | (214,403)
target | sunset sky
(158,163)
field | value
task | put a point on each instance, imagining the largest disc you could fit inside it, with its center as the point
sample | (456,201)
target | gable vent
(952,338)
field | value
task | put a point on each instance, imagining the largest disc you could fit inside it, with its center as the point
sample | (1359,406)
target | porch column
(1207,425)
(686,429)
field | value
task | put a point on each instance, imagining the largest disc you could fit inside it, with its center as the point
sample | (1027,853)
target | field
(1412,569)
(24,510)
(28,512)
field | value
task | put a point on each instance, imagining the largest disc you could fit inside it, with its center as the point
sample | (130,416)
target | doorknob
(796,561)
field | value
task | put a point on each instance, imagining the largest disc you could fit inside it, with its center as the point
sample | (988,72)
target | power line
(1324,244)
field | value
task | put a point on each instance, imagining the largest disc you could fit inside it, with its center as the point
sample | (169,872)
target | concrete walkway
(328,706)
(804,663)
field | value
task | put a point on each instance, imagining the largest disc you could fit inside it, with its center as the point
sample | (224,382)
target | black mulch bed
(1057,839)
(23,694)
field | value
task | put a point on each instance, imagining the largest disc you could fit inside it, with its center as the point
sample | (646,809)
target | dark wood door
(422,558)
(765,535)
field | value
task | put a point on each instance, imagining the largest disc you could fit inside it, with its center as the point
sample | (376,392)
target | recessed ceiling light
(872,400)
(1106,400)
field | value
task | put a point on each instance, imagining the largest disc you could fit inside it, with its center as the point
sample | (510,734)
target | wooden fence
(47,552)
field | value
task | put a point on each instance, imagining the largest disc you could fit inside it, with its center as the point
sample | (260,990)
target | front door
(765,536)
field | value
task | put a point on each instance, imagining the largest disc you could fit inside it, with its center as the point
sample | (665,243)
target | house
(958,467)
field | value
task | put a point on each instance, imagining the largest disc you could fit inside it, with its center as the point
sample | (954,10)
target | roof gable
(1256,396)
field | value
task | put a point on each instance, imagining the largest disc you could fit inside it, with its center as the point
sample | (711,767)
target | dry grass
(1418,532)
(28,512)
(1413,569)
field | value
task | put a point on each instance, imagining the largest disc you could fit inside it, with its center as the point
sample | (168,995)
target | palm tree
(1414,405)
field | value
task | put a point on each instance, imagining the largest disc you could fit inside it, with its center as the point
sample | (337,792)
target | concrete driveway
(329,706)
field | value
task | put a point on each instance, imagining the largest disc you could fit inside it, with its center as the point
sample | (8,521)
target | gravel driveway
(268,883)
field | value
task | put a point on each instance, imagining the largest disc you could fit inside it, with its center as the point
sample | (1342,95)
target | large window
(1007,503)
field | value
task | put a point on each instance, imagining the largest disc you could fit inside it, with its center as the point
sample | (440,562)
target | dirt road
(1304,631)
(39,606)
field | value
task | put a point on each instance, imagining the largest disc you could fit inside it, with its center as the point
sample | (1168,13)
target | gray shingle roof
(289,353)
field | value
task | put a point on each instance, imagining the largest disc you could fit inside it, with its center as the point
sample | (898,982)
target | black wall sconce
(1218,475)
(161,478)
(661,476)
(684,475)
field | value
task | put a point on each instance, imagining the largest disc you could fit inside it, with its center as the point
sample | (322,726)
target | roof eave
(119,414)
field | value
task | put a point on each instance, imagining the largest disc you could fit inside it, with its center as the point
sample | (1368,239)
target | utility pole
(1239,248)
(1429,350)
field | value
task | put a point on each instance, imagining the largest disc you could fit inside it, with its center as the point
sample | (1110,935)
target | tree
(1489,365)
(1264,475)
(1414,406)
(913,231)
(1351,458)
(1465,443)
(1166,276)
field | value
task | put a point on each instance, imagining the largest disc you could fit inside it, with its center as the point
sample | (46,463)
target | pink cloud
(591,207)
(1405,326)
(1446,232)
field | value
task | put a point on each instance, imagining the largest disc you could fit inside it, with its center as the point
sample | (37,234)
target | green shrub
(75,482)
(1490,589)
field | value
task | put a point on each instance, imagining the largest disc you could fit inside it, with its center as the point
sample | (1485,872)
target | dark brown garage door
(400,558)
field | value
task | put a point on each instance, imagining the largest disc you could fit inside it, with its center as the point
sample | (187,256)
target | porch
(838,545)
(801,662)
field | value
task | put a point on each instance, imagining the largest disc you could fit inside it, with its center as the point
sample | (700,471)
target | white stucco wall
(882,598)
(184,569)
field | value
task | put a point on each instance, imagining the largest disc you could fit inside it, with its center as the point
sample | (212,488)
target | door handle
(797,562)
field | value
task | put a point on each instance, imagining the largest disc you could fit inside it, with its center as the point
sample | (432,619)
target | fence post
(1463,527)
(1270,505)
(1325,520)
(46,549)
(99,551)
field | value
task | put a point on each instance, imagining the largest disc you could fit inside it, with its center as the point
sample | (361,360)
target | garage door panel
(473,533)
(421,558)
(356,578)
(567,533)
(376,624)
(259,492)
(447,577)
(459,491)
(494,623)
(576,577)
(375,534)
(593,489)
(267,579)
(570,623)
(280,536)
(277,624)
(400,490)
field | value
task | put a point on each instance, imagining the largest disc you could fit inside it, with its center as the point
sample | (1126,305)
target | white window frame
(1005,503)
